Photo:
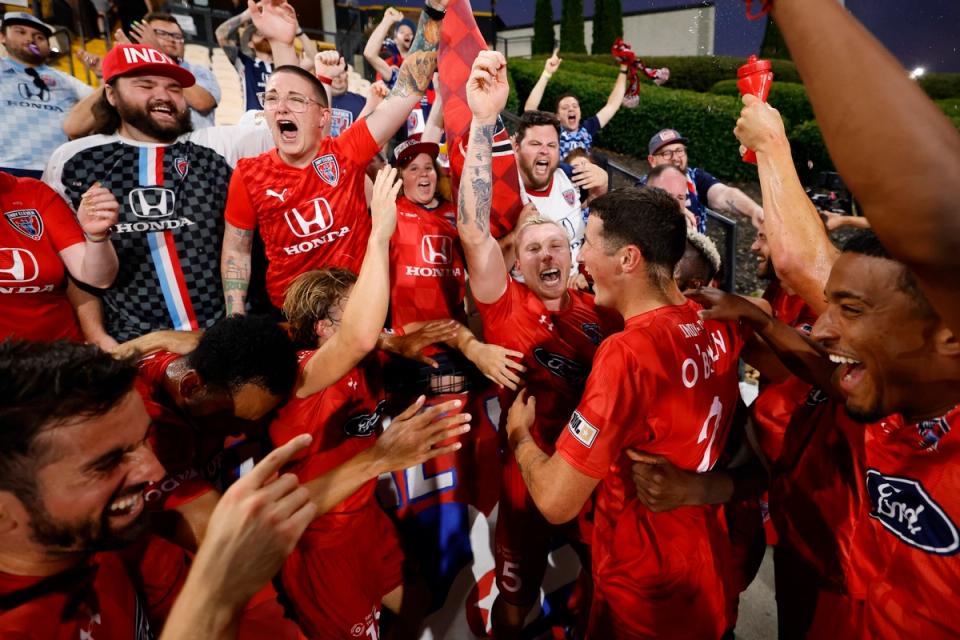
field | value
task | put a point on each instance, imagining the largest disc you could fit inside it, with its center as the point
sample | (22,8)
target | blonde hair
(309,298)
(535,221)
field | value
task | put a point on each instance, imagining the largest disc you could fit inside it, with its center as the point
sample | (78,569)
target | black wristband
(433,14)
(623,71)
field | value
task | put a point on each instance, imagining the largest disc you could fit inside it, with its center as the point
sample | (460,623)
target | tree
(607,25)
(774,47)
(543,27)
(571,27)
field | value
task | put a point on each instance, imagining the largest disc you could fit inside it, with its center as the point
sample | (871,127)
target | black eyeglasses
(37,80)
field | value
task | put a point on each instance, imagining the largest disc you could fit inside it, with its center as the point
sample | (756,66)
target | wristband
(101,238)
(433,14)
(623,71)
(299,33)
(324,79)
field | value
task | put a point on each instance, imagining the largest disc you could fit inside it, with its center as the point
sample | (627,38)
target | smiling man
(307,195)
(171,184)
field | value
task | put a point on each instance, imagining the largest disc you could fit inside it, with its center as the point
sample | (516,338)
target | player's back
(666,385)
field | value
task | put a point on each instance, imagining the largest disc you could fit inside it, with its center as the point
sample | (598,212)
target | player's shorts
(339,572)
(523,539)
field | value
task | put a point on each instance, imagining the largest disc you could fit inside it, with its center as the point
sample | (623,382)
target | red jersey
(37,226)
(427,272)
(907,546)
(557,348)
(309,218)
(667,385)
(94,600)
(173,440)
(344,420)
(814,486)
(772,415)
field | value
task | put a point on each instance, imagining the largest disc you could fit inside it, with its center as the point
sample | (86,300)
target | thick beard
(528,179)
(141,120)
(88,536)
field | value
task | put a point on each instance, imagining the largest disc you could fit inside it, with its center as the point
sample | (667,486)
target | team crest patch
(328,169)
(26,222)
(905,509)
(582,430)
(182,166)
(570,196)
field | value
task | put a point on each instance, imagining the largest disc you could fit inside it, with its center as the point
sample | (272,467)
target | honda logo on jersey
(17,266)
(328,169)
(313,222)
(436,249)
(152,202)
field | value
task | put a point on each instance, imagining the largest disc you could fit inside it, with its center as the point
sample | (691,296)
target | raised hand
(416,436)
(383,203)
(392,16)
(98,211)
(759,125)
(329,64)
(274,20)
(487,86)
(727,307)
(412,344)
(143,33)
(552,63)
(587,175)
(91,61)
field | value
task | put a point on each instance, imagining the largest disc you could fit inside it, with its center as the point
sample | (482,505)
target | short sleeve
(703,181)
(592,125)
(356,145)
(239,210)
(58,218)
(609,410)
(499,311)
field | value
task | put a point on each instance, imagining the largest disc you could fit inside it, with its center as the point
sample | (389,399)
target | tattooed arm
(227,34)
(486,94)
(414,78)
(727,199)
(235,267)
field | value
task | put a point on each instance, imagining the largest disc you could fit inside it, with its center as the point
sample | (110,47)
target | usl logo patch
(905,509)
(582,430)
(328,169)
(570,370)
(365,424)
(26,222)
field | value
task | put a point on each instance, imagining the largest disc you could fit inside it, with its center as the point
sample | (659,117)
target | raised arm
(277,22)
(414,78)
(366,308)
(536,94)
(433,128)
(487,91)
(309,51)
(371,52)
(615,99)
(228,37)
(894,148)
(799,246)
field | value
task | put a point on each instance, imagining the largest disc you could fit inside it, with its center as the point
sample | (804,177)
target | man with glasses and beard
(669,147)
(35,98)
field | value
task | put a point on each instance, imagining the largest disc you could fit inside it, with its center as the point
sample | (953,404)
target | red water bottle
(754,78)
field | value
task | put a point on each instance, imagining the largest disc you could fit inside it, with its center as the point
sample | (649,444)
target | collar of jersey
(545,192)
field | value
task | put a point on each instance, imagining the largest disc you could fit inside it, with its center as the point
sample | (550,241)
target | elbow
(557,511)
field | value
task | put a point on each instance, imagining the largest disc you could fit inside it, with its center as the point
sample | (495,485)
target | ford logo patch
(906,510)
(570,370)
(365,424)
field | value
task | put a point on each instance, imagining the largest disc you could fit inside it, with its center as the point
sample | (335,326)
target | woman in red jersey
(41,242)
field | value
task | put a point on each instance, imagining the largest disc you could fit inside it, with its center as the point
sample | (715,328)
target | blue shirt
(344,112)
(205,80)
(31,116)
(582,138)
(253,79)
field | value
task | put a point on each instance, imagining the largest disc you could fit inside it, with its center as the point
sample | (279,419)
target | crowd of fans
(216,339)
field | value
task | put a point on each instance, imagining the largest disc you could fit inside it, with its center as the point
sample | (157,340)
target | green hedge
(789,98)
(696,73)
(941,85)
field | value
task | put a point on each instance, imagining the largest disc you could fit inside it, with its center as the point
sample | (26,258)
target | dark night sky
(919,32)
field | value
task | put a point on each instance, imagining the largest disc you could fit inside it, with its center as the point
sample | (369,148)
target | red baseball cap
(411,148)
(141,60)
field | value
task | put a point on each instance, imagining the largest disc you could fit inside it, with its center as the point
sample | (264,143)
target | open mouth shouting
(551,277)
(288,130)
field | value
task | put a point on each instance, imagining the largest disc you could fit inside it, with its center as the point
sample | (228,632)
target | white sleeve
(53,172)
(234,142)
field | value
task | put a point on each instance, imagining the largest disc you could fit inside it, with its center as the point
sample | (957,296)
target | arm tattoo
(732,206)
(421,61)
(236,268)
(478,173)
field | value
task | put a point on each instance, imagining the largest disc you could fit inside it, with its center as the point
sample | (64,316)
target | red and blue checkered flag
(460,42)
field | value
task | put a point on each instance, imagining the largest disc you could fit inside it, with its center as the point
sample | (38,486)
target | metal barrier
(620,176)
